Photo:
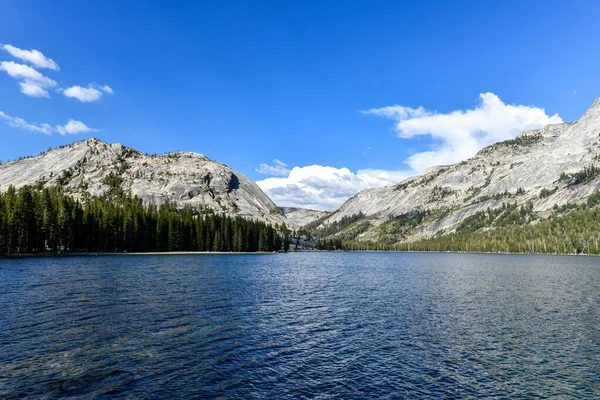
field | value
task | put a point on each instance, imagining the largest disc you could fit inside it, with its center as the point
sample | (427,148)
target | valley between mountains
(539,177)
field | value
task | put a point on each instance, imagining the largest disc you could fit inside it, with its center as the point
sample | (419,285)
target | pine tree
(286,237)
(217,241)
(263,240)
(49,221)
(25,222)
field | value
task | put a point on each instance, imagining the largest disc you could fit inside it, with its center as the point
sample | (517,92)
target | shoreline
(125,254)
(476,252)
(197,253)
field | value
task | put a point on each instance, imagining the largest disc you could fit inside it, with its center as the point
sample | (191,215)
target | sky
(314,100)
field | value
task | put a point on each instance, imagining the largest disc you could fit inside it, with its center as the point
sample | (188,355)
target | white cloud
(28,75)
(461,134)
(35,84)
(20,123)
(322,188)
(456,136)
(33,90)
(83,94)
(277,169)
(34,57)
(397,112)
(72,127)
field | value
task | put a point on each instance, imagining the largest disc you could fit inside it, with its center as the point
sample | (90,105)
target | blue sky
(249,82)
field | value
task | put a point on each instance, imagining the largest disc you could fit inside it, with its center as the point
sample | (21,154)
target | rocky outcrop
(298,217)
(91,167)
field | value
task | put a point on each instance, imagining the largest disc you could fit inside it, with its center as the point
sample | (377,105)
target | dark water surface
(350,325)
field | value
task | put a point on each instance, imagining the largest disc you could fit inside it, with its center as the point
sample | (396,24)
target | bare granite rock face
(298,217)
(511,171)
(184,178)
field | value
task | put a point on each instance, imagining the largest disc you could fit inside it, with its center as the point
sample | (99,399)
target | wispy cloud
(71,128)
(33,90)
(397,112)
(107,89)
(82,94)
(87,94)
(34,57)
(279,168)
(22,71)
(20,123)
(33,83)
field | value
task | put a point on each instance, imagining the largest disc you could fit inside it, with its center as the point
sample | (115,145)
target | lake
(328,325)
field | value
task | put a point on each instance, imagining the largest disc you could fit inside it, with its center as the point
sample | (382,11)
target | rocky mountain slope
(91,167)
(553,166)
(298,217)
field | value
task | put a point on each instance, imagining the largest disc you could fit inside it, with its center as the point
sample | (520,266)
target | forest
(50,220)
(571,229)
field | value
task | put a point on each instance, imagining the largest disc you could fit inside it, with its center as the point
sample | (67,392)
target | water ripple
(300,326)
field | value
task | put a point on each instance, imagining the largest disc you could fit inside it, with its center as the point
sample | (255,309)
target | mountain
(518,181)
(298,217)
(539,171)
(92,167)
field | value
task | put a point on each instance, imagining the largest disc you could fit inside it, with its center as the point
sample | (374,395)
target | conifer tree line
(573,229)
(577,232)
(330,244)
(49,220)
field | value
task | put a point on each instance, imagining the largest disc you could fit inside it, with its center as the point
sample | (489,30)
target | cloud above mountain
(460,134)
(71,128)
(83,94)
(32,82)
(323,187)
(35,84)
(455,136)
(278,168)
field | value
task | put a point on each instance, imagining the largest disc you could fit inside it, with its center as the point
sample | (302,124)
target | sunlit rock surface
(183,178)
(298,217)
(511,171)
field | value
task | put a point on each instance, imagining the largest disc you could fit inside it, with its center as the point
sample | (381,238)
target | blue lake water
(328,325)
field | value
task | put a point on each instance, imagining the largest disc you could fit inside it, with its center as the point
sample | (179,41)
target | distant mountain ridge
(299,217)
(545,168)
